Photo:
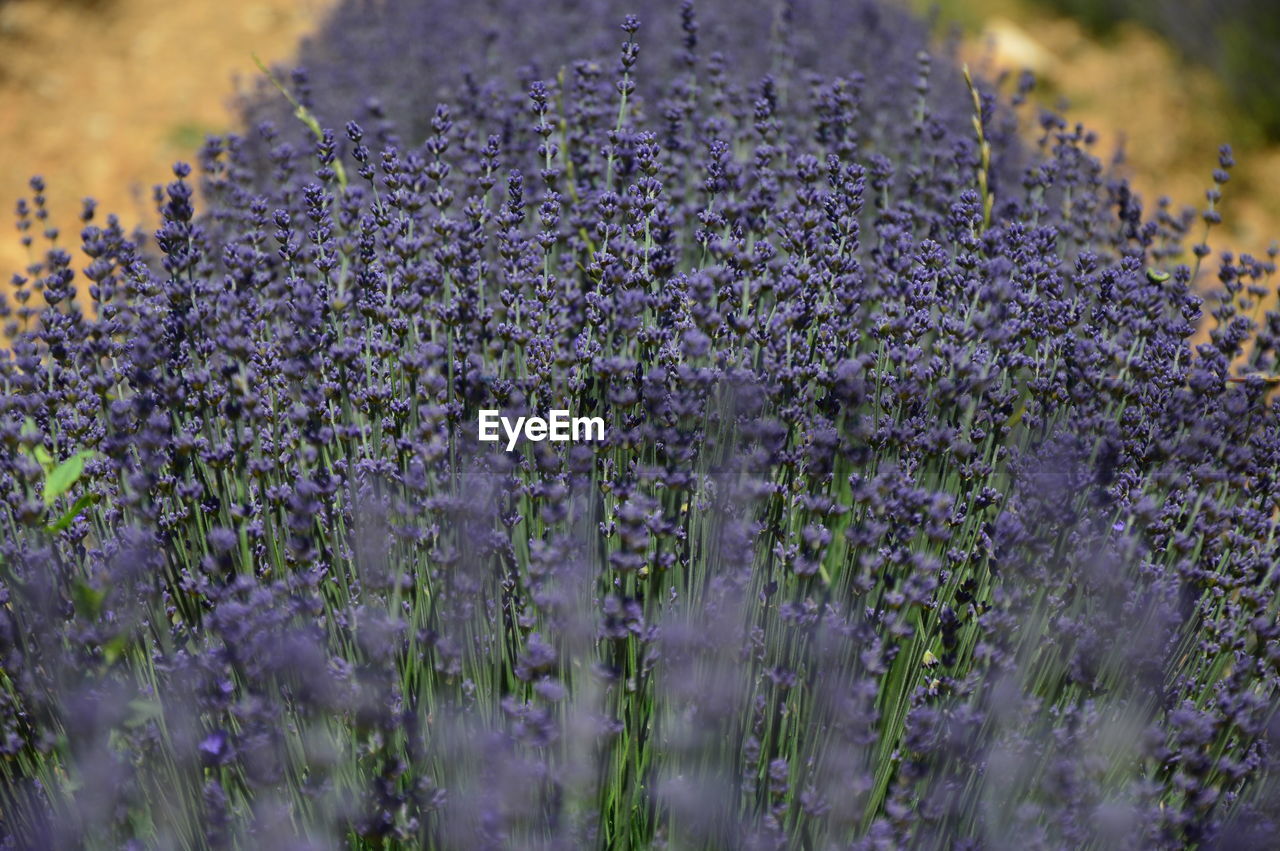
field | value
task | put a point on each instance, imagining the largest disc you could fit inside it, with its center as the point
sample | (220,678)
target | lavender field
(921,517)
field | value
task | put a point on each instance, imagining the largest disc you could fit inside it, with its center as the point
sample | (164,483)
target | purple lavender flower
(916,519)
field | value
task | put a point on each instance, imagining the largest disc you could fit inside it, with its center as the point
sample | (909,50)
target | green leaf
(67,519)
(304,115)
(1016,416)
(87,599)
(62,477)
(115,647)
(141,711)
(42,455)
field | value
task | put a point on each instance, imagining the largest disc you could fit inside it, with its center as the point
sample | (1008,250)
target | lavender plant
(918,520)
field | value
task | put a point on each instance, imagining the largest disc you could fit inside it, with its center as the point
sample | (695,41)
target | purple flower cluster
(918,522)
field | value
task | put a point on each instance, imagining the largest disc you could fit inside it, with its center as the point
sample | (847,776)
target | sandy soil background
(1169,116)
(100,96)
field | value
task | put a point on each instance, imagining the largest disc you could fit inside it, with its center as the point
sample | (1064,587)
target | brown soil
(102,96)
(1167,115)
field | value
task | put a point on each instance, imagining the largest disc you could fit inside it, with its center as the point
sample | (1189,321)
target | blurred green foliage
(1238,39)
(187,135)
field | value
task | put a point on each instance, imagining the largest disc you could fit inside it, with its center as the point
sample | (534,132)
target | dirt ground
(100,96)
(1168,116)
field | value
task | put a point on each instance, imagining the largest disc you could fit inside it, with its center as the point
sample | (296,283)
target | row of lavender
(919,521)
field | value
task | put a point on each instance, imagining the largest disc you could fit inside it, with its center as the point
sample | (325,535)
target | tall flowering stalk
(918,520)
